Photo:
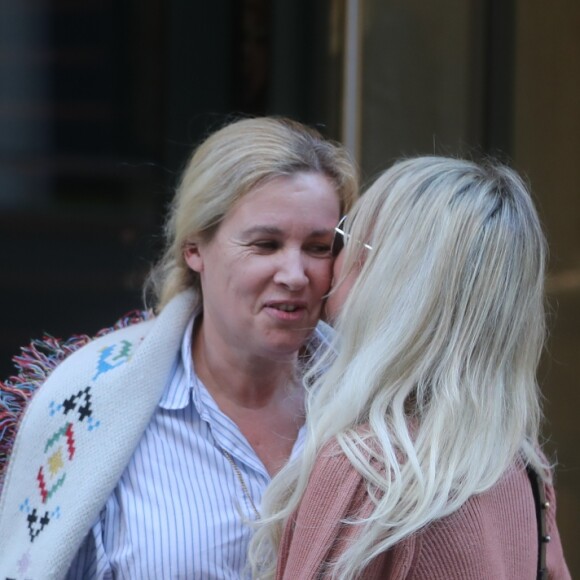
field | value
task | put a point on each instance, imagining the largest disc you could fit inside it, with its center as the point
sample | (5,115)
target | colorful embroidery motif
(113,356)
(36,524)
(46,493)
(24,563)
(81,403)
(60,448)
(65,430)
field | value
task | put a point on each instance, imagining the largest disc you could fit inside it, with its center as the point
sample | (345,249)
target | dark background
(101,104)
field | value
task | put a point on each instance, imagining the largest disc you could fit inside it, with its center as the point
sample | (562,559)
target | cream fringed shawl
(76,437)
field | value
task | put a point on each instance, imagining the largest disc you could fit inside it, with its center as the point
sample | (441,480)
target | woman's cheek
(324,277)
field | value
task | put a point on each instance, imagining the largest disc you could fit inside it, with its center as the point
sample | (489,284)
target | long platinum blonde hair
(438,344)
(226,166)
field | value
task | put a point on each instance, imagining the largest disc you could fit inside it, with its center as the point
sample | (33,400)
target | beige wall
(421,79)
(547,149)
(422,92)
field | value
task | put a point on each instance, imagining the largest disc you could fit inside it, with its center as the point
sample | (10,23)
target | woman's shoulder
(332,473)
(494,534)
(335,466)
(40,359)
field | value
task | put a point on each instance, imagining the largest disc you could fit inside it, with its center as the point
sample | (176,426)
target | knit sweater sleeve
(316,534)
(310,534)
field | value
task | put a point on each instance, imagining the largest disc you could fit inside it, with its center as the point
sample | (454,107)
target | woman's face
(265,271)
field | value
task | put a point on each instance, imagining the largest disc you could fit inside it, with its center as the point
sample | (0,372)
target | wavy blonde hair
(226,166)
(439,342)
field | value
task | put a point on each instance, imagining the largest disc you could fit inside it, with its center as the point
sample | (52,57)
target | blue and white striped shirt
(179,509)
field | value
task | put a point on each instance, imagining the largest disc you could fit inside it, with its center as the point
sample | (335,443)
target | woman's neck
(247,381)
(263,397)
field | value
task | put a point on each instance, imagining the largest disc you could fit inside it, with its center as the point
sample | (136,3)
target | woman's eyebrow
(269,230)
(322,232)
(275,231)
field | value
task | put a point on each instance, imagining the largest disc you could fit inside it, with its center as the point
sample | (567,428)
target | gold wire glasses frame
(341,237)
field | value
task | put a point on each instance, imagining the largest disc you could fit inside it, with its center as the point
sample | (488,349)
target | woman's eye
(319,249)
(266,245)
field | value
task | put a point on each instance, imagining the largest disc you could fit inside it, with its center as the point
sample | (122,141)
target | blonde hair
(226,166)
(439,342)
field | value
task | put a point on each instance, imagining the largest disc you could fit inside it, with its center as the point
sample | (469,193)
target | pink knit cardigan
(493,535)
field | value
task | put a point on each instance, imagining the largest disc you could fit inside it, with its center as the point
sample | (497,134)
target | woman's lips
(287,311)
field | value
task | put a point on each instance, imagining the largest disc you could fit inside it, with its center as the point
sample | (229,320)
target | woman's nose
(291,271)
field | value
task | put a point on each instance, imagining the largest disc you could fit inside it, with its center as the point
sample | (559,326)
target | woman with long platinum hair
(422,458)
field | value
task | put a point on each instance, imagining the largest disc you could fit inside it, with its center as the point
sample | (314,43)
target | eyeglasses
(340,238)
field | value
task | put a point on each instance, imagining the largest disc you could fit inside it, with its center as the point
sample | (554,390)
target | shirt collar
(184,383)
(176,395)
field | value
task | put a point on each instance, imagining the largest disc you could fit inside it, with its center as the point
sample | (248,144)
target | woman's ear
(193,257)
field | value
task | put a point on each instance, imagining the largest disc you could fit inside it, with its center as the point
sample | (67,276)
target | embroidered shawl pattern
(93,398)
